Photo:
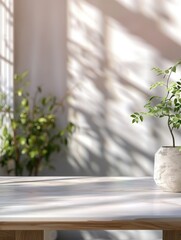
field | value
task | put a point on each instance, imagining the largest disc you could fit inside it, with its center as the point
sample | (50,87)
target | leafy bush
(169,105)
(30,134)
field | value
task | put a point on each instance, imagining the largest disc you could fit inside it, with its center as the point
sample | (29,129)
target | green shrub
(30,134)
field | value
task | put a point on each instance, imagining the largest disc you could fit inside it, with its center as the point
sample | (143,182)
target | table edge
(139,224)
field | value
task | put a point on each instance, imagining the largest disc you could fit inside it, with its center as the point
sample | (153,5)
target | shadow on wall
(6,49)
(111,48)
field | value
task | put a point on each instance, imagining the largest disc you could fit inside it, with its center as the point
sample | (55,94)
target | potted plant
(29,133)
(167,164)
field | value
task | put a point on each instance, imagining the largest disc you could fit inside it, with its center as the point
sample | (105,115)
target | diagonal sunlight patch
(107,62)
(111,51)
(86,56)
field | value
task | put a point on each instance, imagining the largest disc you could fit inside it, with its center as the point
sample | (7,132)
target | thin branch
(171,131)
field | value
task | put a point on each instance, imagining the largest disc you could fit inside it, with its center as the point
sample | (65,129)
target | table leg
(29,235)
(171,235)
(22,235)
(7,235)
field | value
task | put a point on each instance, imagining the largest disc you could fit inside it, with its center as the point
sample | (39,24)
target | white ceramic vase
(167,169)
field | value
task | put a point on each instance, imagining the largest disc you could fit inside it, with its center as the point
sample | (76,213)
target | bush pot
(167,169)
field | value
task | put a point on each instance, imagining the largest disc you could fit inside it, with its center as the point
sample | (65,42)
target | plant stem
(171,132)
(17,155)
(36,167)
(168,92)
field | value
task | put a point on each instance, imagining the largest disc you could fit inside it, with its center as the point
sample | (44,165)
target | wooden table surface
(41,203)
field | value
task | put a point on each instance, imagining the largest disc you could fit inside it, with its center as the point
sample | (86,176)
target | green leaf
(158,70)
(5,132)
(20,77)
(20,92)
(152,97)
(33,153)
(24,151)
(42,120)
(22,140)
(31,139)
(24,102)
(51,117)
(174,68)
(44,152)
(157,84)
(24,74)
(14,124)
(43,101)
(43,137)
(70,127)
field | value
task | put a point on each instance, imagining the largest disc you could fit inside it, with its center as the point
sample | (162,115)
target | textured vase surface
(167,169)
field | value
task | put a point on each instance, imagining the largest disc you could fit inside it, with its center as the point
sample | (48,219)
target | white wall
(40,43)
(40,48)
(107,47)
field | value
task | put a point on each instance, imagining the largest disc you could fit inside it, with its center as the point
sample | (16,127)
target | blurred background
(106,48)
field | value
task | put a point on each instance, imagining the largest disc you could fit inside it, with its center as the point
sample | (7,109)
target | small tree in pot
(167,159)
(30,135)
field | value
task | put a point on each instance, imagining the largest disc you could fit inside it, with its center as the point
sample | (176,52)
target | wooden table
(30,205)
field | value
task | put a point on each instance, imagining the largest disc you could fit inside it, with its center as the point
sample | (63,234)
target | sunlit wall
(112,46)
